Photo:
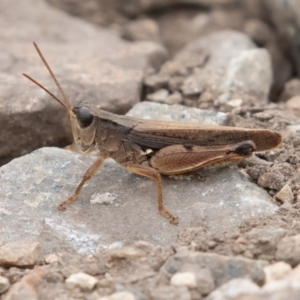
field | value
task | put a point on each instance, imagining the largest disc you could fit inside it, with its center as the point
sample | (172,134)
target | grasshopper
(150,148)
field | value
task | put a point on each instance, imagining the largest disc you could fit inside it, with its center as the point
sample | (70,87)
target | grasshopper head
(83,127)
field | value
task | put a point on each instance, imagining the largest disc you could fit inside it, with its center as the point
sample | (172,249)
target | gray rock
(90,62)
(226,72)
(222,268)
(218,65)
(116,207)
(258,80)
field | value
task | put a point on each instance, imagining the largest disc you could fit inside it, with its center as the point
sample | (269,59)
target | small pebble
(293,103)
(175,98)
(125,252)
(285,194)
(211,244)
(104,283)
(4,284)
(205,97)
(82,280)
(119,296)
(184,279)
(235,102)
(51,258)
(19,253)
(158,96)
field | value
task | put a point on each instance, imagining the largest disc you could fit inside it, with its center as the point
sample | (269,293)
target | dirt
(250,237)
(138,267)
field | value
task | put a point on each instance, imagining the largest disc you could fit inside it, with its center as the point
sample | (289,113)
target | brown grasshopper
(150,148)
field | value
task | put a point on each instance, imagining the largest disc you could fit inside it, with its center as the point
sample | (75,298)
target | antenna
(66,104)
(46,90)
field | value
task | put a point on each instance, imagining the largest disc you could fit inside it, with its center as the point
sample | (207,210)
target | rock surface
(35,184)
(218,65)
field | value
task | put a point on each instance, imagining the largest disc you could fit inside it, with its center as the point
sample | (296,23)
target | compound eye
(245,149)
(84,117)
